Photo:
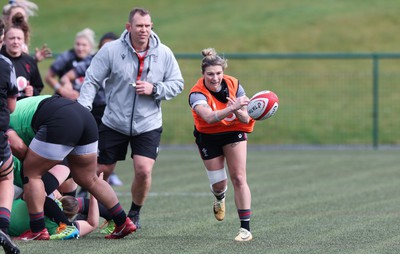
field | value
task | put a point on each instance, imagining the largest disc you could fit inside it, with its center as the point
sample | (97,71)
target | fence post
(375,97)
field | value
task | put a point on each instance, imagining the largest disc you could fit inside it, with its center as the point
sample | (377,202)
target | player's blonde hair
(89,35)
(211,58)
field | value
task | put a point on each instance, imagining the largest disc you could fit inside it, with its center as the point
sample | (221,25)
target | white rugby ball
(263,105)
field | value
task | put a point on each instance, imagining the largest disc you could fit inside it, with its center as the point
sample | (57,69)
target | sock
(50,183)
(5,215)
(36,222)
(135,207)
(84,209)
(244,216)
(118,214)
(53,211)
(220,196)
(104,213)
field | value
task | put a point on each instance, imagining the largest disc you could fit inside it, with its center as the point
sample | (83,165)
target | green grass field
(327,201)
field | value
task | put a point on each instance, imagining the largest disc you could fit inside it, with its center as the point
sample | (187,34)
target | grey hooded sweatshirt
(116,63)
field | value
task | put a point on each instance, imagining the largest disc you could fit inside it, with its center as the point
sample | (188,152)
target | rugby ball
(263,105)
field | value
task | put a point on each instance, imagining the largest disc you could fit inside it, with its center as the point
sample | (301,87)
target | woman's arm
(241,113)
(92,222)
(18,147)
(11,103)
(234,106)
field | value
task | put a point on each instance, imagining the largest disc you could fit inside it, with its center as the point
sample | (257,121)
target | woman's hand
(43,53)
(237,103)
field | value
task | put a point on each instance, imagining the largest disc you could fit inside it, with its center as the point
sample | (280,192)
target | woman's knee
(238,180)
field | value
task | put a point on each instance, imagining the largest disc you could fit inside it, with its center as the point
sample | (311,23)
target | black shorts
(113,145)
(63,127)
(5,150)
(61,121)
(98,112)
(211,145)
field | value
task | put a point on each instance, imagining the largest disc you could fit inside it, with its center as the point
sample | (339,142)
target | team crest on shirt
(123,56)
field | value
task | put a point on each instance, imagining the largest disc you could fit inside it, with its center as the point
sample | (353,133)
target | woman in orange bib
(218,103)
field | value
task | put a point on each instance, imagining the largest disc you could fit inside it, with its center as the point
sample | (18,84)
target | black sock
(220,196)
(84,209)
(53,211)
(244,216)
(245,224)
(118,214)
(36,222)
(50,183)
(135,207)
(4,224)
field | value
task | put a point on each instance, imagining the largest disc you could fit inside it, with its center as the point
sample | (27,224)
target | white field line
(168,194)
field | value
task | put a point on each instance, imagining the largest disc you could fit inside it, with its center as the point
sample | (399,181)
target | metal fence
(345,99)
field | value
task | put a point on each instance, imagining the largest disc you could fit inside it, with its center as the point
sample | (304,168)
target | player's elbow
(94,223)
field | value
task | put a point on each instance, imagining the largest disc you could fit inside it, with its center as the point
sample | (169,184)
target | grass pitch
(326,201)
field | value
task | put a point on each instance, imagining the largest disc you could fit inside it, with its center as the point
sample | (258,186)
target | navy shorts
(113,145)
(211,145)
(5,150)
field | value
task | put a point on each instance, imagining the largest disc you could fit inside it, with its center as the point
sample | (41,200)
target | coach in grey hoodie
(139,72)
(117,62)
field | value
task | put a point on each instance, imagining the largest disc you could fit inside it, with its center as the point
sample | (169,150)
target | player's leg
(210,149)
(217,177)
(83,165)
(142,179)
(55,177)
(35,166)
(106,169)
(140,186)
(68,187)
(6,191)
(6,194)
(236,156)
(83,168)
(113,147)
(145,148)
